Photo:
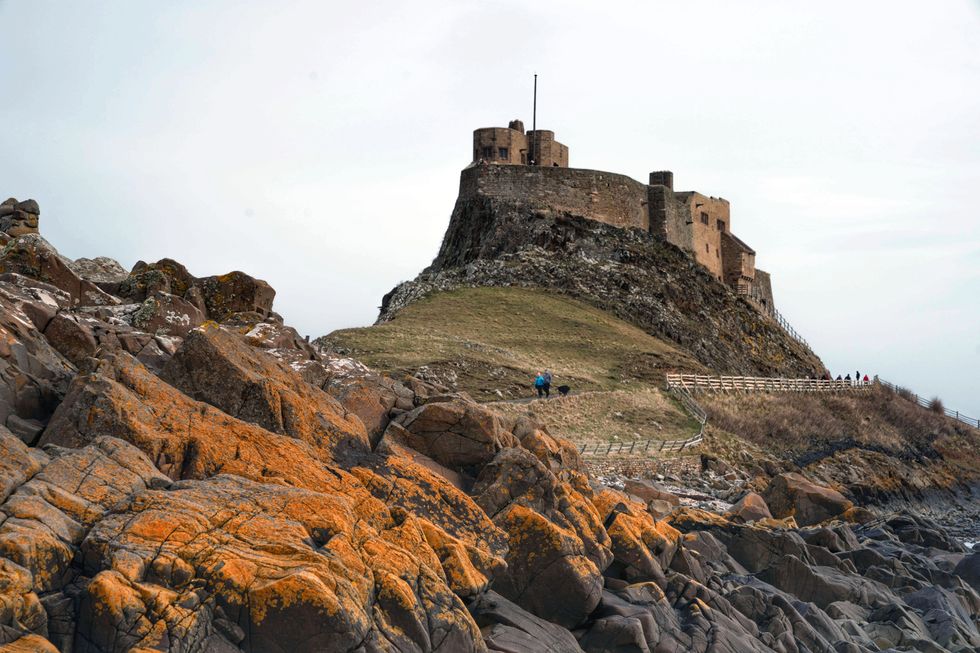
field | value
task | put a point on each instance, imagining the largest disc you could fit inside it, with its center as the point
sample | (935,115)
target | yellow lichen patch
(232,576)
(281,593)
(686,518)
(161,526)
(111,597)
(465,567)
(29,644)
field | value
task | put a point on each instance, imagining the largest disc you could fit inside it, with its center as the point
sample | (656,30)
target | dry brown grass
(797,423)
(616,416)
(485,340)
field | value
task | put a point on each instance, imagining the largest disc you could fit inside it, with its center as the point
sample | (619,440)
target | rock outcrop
(230,487)
(19,218)
(632,274)
(792,495)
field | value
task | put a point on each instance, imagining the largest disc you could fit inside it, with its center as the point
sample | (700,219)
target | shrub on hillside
(905,393)
(936,406)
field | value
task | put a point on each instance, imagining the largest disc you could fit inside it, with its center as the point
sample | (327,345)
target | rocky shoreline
(180,471)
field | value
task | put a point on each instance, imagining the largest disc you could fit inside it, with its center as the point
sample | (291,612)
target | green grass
(491,342)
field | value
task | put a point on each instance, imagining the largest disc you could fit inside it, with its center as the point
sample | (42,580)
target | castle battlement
(511,145)
(697,223)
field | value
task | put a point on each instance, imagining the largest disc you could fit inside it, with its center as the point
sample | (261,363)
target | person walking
(547,383)
(857,377)
(539,384)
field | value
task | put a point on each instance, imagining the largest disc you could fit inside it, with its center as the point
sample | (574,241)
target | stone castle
(532,168)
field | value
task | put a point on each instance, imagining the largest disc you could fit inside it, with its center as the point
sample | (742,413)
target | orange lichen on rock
(220,368)
(29,644)
(642,546)
(546,560)
(792,495)
(290,565)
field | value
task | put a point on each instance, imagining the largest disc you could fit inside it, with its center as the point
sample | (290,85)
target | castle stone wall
(614,199)
(739,262)
(698,224)
(762,288)
(669,217)
(490,143)
(709,217)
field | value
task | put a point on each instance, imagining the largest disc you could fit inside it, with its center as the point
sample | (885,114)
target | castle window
(721,225)
(503,153)
(717,253)
(707,250)
(704,218)
(488,153)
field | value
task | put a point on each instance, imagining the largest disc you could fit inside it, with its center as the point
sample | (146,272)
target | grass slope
(809,426)
(611,416)
(491,342)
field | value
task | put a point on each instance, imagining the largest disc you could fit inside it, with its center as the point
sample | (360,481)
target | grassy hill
(617,415)
(491,342)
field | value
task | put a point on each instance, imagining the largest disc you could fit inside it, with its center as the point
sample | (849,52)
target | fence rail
(761,384)
(750,293)
(926,403)
(654,446)
(637,447)
(697,382)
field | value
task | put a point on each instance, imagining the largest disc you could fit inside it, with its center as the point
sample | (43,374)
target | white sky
(317,145)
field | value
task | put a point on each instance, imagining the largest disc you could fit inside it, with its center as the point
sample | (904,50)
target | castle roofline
(738,241)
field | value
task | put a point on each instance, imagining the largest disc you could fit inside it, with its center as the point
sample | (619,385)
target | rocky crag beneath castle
(631,273)
(179,471)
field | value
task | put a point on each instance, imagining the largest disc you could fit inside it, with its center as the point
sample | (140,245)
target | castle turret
(662,178)
(512,146)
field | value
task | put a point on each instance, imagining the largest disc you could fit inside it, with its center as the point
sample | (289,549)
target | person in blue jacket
(539,384)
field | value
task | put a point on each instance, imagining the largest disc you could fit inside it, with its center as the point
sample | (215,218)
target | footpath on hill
(180,471)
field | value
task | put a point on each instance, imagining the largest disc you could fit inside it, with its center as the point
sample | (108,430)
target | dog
(563,390)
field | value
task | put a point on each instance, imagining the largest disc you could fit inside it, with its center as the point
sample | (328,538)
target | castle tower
(511,145)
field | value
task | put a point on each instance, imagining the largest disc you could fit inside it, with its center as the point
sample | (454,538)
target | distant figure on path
(547,383)
(539,384)
(857,375)
(848,378)
(865,378)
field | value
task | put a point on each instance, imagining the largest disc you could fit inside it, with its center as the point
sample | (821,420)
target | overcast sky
(318,145)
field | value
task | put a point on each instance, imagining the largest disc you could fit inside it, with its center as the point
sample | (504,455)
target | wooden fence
(751,293)
(637,447)
(926,403)
(698,382)
(654,446)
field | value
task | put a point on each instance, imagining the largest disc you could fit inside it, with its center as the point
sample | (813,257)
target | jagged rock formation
(634,275)
(19,218)
(241,490)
